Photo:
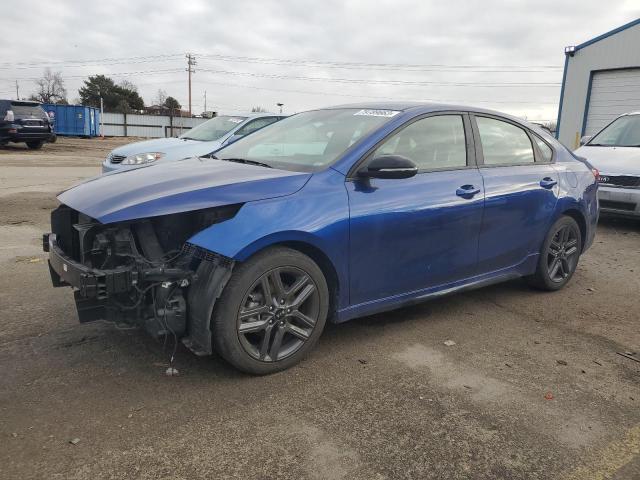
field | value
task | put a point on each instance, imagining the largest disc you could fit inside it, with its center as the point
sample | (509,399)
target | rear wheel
(271,312)
(559,255)
(35,145)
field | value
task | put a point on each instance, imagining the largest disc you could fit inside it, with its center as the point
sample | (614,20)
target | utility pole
(280,105)
(205,101)
(191,62)
(17,91)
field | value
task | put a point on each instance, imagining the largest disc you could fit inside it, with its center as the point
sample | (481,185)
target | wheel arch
(580,219)
(306,244)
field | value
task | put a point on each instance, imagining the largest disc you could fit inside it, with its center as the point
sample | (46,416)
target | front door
(410,234)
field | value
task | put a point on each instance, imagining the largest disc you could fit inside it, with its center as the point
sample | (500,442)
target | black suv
(23,121)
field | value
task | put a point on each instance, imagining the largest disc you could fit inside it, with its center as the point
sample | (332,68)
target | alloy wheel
(562,254)
(278,314)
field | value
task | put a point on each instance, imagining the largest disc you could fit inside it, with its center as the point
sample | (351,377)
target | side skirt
(526,267)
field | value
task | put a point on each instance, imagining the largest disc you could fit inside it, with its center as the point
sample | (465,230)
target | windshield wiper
(247,162)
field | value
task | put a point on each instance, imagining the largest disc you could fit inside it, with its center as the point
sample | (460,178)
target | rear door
(521,192)
(412,234)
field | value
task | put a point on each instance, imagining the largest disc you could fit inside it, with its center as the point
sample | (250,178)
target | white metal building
(601,81)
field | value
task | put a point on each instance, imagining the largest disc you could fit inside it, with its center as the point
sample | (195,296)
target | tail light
(596,173)
(9,116)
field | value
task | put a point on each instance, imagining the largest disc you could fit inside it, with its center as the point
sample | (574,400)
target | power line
(381,82)
(330,94)
(378,66)
(94,62)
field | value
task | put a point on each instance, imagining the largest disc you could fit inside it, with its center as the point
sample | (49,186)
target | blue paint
(586,104)
(390,242)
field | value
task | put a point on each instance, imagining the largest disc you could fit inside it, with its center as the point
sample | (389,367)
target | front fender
(317,215)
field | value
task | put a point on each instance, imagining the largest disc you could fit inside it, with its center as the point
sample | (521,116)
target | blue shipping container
(74,120)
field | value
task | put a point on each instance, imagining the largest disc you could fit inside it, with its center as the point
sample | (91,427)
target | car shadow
(619,224)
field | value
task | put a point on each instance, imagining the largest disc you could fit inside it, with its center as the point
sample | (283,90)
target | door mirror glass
(389,166)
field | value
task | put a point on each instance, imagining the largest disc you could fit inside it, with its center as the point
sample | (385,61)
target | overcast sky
(506,55)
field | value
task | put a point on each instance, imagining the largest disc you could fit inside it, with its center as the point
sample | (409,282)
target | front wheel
(35,145)
(559,255)
(272,311)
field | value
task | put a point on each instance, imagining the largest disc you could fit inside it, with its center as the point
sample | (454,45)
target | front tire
(35,145)
(271,312)
(559,255)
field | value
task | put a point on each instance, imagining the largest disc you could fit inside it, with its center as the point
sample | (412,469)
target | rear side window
(545,150)
(431,143)
(256,124)
(504,143)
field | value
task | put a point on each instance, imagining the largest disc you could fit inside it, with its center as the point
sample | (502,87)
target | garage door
(612,93)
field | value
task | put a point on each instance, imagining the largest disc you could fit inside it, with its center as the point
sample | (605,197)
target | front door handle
(548,182)
(467,191)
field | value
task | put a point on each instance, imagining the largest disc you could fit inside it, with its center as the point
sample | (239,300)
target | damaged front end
(141,272)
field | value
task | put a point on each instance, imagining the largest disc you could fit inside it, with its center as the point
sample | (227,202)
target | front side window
(504,143)
(431,143)
(254,125)
(308,141)
(213,129)
(622,132)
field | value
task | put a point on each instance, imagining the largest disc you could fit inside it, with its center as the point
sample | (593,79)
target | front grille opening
(613,205)
(620,180)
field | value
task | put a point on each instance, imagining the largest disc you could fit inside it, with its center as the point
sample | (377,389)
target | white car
(615,152)
(201,140)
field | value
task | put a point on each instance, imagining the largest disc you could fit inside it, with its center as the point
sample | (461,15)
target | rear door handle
(467,191)
(548,182)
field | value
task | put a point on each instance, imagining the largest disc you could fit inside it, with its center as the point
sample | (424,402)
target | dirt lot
(381,397)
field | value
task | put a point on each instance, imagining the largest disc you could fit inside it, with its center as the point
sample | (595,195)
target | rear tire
(35,145)
(559,255)
(271,312)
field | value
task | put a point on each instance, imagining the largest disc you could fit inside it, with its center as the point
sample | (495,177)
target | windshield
(623,132)
(308,141)
(213,129)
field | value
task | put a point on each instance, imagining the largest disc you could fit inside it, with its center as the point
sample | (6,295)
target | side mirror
(389,166)
(584,140)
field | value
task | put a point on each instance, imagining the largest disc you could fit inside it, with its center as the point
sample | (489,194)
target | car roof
(425,107)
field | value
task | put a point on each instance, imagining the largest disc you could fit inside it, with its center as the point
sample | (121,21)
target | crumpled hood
(612,160)
(175,187)
(173,148)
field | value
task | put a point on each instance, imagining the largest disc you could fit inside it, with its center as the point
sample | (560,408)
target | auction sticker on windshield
(377,113)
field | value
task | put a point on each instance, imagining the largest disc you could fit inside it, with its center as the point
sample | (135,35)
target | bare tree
(50,88)
(128,85)
(161,97)
(258,109)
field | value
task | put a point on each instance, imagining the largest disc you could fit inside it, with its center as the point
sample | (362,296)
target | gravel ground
(532,389)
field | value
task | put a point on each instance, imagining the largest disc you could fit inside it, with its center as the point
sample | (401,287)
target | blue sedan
(324,216)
